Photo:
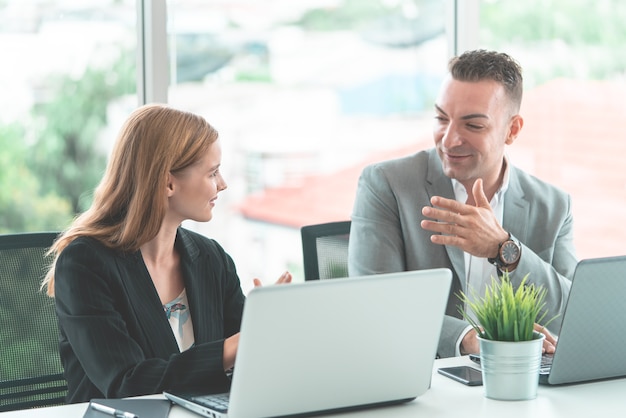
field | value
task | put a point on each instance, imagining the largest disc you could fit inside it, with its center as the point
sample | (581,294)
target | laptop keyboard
(546,361)
(217,402)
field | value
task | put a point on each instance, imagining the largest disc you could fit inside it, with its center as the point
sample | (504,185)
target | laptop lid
(593,335)
(338,344)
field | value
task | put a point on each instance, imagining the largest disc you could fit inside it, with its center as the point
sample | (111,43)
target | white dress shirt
(478,271)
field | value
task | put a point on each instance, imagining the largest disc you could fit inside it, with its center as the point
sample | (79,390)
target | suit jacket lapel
(150,314)
(147,305)
(199,308)
(516,217)
(516,214)
(437,183)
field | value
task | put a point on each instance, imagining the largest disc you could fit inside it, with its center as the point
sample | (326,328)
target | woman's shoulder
(86,248)
(195,247)
(195,242)
(86,254)
(84,244)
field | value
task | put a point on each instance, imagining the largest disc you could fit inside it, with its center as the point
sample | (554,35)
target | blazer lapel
(516,217)
(196,285)
(147,306)
(516,212)
(437,183)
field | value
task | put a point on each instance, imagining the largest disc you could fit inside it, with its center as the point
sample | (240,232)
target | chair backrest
(325,250)
(31,374)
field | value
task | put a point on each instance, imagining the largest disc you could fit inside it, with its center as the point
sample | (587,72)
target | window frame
(462,25)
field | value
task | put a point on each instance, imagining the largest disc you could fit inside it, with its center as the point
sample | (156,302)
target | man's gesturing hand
(474,229)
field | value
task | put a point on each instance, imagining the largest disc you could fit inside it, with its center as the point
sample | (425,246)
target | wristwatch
(509,253)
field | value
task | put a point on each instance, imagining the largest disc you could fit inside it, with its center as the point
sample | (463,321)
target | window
(64,64)
(304,94)
(574,70)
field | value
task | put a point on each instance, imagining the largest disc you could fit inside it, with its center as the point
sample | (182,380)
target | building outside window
(575,83)
(304,95)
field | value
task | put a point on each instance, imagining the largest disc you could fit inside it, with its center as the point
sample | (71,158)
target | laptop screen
(338,344)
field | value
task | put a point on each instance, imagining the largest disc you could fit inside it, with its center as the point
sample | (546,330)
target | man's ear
(515,127)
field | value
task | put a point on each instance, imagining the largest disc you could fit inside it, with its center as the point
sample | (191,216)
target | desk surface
(447,398)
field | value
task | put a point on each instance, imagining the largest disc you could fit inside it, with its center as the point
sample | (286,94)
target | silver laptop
(593,332)
(332,345)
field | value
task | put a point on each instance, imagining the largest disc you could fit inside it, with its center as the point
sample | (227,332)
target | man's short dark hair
(479,65)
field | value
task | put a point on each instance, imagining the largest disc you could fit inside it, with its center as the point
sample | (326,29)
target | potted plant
(510,348)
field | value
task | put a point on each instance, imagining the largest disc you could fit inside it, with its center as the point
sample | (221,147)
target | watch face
(510,252)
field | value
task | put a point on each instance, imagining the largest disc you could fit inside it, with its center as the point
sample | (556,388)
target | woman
(143,304)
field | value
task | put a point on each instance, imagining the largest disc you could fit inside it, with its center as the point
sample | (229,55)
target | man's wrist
(509,254)
(469,342)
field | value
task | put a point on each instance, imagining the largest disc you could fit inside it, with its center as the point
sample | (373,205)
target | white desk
(447,398)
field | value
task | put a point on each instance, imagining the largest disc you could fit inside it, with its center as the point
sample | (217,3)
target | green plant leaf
(505,313)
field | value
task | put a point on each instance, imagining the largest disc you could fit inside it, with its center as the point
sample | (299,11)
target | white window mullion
(464,18)
(152,56)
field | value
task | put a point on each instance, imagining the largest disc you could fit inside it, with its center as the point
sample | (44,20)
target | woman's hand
(230,351)
(284,278)
(232,343)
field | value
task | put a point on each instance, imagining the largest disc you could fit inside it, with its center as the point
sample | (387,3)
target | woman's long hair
(130,202)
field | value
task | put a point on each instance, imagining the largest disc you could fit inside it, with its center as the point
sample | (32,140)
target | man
(463,206)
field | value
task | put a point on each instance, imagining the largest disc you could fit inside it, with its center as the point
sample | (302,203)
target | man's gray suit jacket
(386,235)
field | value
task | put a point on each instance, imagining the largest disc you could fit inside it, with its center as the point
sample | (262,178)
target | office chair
(325,250)
(31,374)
